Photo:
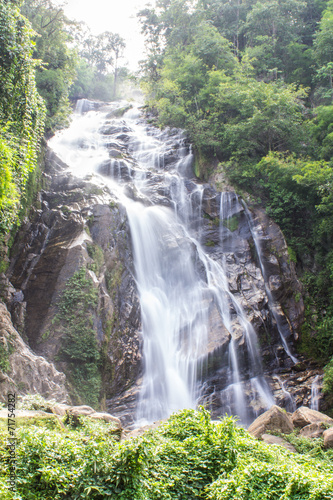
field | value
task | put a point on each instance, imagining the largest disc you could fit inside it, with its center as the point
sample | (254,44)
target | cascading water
(181,287)
(280,320)
(290,404)
(315,394)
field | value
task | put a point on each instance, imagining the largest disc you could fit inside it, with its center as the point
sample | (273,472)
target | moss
(231,223)
(6,349)
(96,254)
(113,277)
(117,113)
(210,243)
(46,335)
(202,166)
(94,190)
(4,358)
(65,210)
(77,310)
(292,255)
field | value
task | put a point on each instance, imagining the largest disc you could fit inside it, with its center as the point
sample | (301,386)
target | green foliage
(188,457)
(4,361)
(6,349)
(34,402)
(203,87)
(21,113)
(311,447)
(328,378)
(96,254)
(113,277)
(56,70)
(232,223)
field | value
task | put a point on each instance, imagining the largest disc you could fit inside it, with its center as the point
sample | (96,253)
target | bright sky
(117,16)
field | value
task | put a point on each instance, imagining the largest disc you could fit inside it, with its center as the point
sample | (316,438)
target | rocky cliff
(80,226)
(75,300)
(21,370)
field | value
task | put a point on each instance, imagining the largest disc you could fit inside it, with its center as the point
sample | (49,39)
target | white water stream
(315,394)
(176,278)
(275,308)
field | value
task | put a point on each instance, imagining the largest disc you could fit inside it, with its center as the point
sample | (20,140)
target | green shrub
(188,457)
(328,378)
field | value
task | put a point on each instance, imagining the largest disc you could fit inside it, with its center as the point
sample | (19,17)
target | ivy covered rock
(22,114)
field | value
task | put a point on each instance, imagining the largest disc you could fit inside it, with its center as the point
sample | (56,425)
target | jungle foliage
(251,82)
(56,69)
(187,457)
(22,112)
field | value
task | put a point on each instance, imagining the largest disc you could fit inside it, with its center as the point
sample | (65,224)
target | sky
(117,16)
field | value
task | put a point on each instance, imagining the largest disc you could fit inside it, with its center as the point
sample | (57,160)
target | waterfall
(290,404)
(174,323)
(84,105)
(315,394)
(281,322)
(183,289)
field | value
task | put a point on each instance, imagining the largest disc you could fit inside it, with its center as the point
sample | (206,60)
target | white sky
(117,16)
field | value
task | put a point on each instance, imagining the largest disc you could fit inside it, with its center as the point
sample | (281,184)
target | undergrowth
(188,457)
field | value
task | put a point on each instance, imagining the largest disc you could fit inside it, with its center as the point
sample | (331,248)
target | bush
(188,457)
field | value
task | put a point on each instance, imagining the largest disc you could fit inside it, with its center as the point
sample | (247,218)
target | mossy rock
(27,418)
(117,113)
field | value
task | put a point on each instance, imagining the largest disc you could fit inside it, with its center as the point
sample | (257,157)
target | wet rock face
(227,235)
(79,224)
(283,282)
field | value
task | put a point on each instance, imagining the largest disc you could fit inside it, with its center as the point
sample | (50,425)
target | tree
(103,52)
(56,73)
(270,27)
(324,50)
(229,17)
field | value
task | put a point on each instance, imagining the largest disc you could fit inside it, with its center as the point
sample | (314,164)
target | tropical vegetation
(187,457)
